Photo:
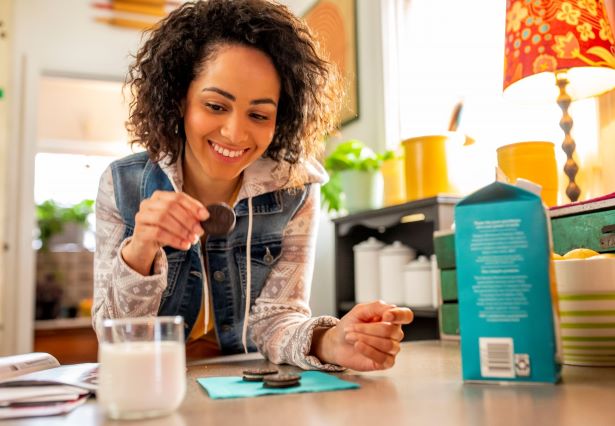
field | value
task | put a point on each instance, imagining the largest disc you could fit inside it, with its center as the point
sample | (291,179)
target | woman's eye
(214,107)
(259,117)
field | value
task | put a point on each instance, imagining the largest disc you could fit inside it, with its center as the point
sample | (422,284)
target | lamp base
(570,168)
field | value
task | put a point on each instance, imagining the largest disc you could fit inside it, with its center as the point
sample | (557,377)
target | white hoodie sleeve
(120,291)
(280,321)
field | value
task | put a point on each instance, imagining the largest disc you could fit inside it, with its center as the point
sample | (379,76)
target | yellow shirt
(198,330)
(203,343)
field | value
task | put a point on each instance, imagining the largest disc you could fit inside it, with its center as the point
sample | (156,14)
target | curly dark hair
(180,46)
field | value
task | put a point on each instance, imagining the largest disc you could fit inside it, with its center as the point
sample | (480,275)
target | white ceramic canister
(393,258)
(418,282)
(435,282)
(366,270)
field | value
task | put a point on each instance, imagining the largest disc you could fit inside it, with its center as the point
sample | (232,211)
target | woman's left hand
(366,338)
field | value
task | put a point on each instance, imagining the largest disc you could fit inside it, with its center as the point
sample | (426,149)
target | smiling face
(230,113)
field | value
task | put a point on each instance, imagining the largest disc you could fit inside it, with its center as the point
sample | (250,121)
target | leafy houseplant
(52,218)
(350,156)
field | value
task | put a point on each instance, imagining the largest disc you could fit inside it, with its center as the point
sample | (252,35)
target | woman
(231,102)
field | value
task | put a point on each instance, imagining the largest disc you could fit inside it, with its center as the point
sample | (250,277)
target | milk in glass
(141,379)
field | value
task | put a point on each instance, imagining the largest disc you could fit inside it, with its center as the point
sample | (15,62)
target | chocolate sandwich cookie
(257,374)
(221,220)
(281,381)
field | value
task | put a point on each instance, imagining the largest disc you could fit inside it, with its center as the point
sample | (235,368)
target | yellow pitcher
(533,161)
(426,165)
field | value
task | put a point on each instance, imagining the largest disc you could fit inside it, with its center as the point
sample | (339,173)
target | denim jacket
(178,283)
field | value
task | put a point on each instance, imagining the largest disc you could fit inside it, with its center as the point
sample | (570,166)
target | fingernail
(349,329)
(187,246)
(195,239)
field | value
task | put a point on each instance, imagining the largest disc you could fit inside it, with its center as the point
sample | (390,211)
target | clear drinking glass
(142,367)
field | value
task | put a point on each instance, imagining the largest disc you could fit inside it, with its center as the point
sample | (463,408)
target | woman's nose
(233,129)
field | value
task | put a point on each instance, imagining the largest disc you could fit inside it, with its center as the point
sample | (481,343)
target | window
(69,179)
(78,140)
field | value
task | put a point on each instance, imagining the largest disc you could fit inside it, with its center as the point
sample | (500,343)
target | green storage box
(448,283)
(449,318)
(444,247)
(578,226)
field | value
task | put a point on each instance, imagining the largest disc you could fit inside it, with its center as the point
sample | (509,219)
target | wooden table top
(423,388)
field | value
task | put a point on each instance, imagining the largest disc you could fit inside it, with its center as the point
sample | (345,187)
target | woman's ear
(182,107)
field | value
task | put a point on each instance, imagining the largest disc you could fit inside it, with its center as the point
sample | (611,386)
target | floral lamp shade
(558,44)
(549,36)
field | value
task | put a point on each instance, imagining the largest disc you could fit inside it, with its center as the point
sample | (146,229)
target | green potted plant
(355,182)
(55,220)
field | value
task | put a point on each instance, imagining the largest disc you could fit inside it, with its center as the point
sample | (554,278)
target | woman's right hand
(165,219)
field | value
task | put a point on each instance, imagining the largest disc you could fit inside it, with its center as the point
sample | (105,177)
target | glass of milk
(142,369)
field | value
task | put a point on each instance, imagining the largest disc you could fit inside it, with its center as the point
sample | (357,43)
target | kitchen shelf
(411,223)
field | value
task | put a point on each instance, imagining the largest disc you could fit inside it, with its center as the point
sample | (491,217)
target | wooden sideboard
(70,340)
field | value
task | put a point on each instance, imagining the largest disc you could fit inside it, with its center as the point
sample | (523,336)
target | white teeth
(226,152)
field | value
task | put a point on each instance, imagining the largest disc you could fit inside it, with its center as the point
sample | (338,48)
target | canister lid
(368,245)
(397,248)
(420,264)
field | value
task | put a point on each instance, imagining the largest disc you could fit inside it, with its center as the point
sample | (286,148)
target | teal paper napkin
(236,387)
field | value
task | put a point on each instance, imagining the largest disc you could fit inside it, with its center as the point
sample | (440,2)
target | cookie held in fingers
(221,220)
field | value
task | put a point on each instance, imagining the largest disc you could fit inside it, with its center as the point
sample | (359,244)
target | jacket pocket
(263,257)
(175,259)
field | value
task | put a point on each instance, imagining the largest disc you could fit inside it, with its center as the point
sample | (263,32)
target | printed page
(38,410)
(17,365)
(84,376)
(20,395)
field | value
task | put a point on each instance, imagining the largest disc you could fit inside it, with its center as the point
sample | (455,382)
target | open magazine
(36,384)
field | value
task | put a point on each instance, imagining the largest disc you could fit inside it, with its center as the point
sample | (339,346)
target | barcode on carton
(496,357)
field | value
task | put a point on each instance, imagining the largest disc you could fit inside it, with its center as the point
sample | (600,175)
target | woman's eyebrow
(232,97)
(220,92)
(263,101)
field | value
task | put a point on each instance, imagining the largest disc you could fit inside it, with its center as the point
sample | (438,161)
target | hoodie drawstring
(246,316)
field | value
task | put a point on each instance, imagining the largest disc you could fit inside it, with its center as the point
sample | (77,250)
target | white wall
(7,27)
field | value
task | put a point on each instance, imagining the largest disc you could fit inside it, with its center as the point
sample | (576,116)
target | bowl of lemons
(586,292)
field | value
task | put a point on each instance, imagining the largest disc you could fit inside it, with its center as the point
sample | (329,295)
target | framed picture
(334,25)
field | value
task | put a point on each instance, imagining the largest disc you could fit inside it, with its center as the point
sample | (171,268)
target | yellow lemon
(85,307)
(556,256)
(580,253)
(604,256)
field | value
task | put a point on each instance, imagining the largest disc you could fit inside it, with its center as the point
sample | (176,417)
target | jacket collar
(264,176)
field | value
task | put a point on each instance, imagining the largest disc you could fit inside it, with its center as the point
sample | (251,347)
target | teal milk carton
(507,300)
